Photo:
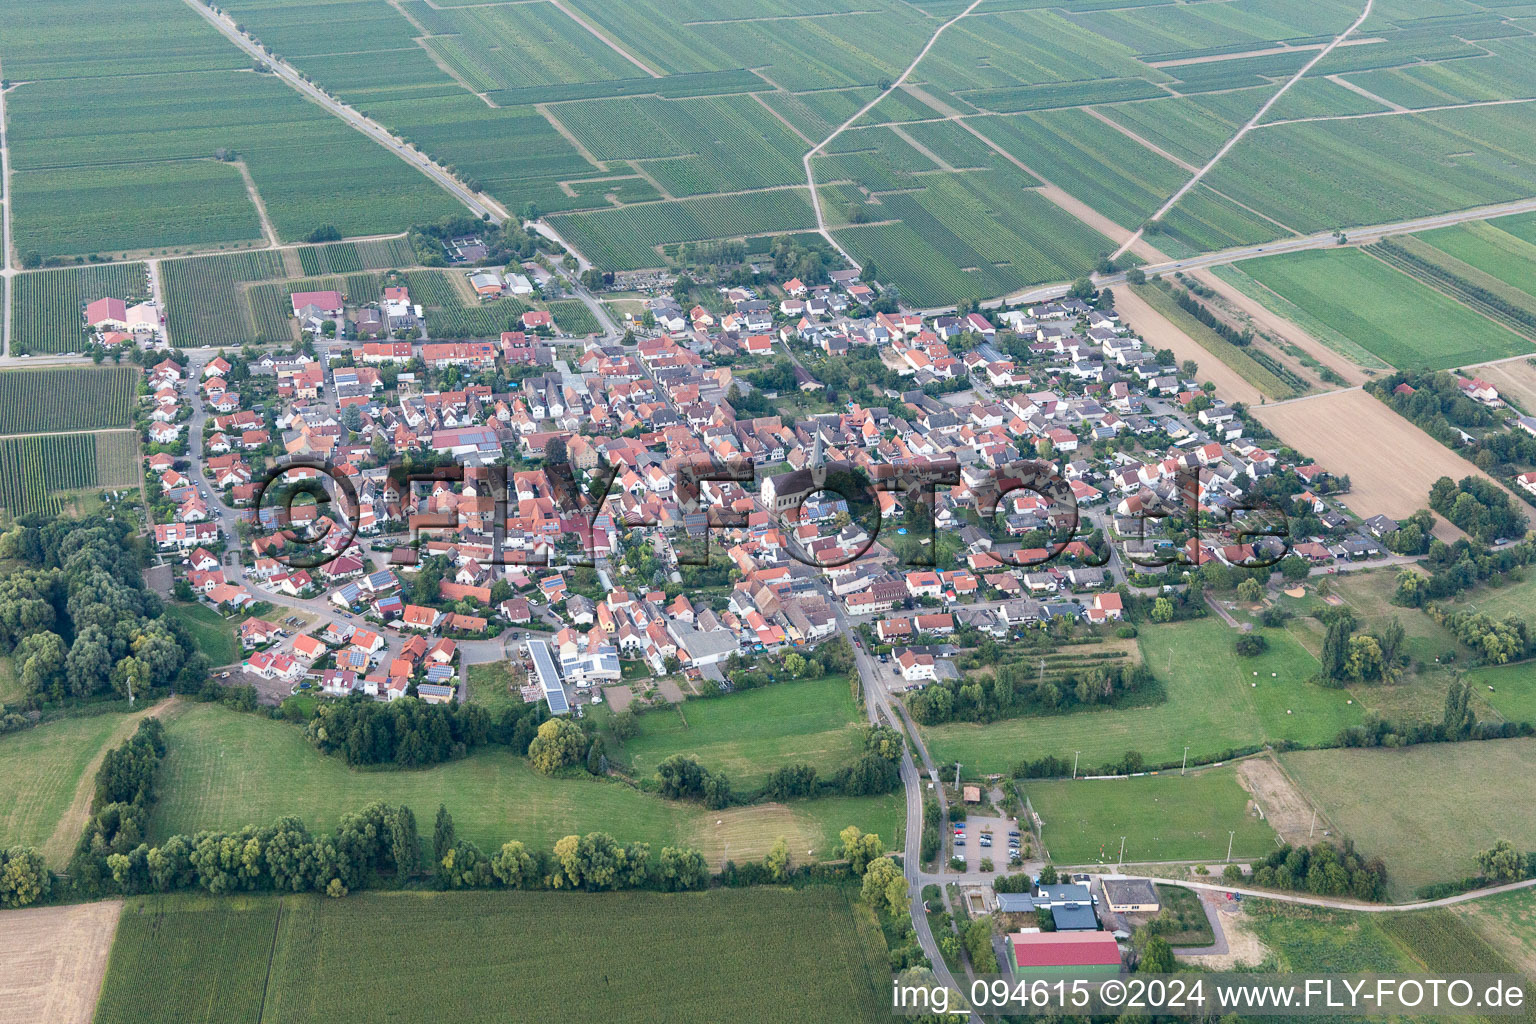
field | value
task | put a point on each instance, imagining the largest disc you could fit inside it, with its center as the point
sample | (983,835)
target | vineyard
(1304,174)
(972,235)
(35,469)
(48,303)
(573,317)
(626,239)
(205,300)
(56,400)
(353,257)
(1109,171)
(450,316)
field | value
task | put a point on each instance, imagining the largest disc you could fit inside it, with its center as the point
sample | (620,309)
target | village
(485,556)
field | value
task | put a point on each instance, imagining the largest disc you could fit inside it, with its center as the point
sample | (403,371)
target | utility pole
(957,774)
(1313,829)
(1121,861)
(1074,763)
(1230,836)
(1186,761)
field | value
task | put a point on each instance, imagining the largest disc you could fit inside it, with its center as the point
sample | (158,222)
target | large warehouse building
(1073,954)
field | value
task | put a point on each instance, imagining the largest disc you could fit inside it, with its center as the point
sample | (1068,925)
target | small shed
(971,794)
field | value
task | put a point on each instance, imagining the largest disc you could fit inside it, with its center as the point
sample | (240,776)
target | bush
(1251,645)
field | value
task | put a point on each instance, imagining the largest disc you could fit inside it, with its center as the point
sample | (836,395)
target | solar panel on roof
(549,677)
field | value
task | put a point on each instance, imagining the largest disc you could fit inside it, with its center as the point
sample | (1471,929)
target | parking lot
(984,837)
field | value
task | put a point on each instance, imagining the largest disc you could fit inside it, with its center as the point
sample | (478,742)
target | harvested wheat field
(52,960)
(1515,379)
(1391,463)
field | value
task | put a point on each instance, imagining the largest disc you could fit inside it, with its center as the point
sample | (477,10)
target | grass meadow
(1215,702)
(1465,797)
(225,770)
(747,735)
(493,958)
(1406,323)
(40,769)
(1162,817)
(213,633)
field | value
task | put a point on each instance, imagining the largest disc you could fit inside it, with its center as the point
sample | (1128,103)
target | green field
(473,957)
(1162,817)
(40,769)
(212,632)
(34,469)
(1508,922)
(1215,704)
(49,303)
(61,400)
(1300,173)
(1370,302)
(1420,693)
(1466,796)
(749,734)
(1485,246)
(226,770)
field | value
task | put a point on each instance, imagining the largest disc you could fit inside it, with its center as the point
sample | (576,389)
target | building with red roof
(1068,953)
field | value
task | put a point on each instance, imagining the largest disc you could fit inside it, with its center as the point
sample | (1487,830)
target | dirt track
(61,844)
(1391,463)
(1286,810)
(52,961)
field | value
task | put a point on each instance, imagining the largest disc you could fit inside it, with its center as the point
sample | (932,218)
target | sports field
(226,770)
(497,957)
(1216,702)
(1406,323)
(1162,817)
(747,735)
(1467,796)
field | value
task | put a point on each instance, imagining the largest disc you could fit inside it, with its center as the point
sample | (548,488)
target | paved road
(477,202)
(877,705)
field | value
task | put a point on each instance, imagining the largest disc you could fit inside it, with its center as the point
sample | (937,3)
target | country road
(479,203)
(1320,240)
(8,264)
(1368,908)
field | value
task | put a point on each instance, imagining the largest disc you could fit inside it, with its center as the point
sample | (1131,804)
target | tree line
(77,620)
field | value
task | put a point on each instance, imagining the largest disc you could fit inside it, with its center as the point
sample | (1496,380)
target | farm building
(1068,953)
(1131,896)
